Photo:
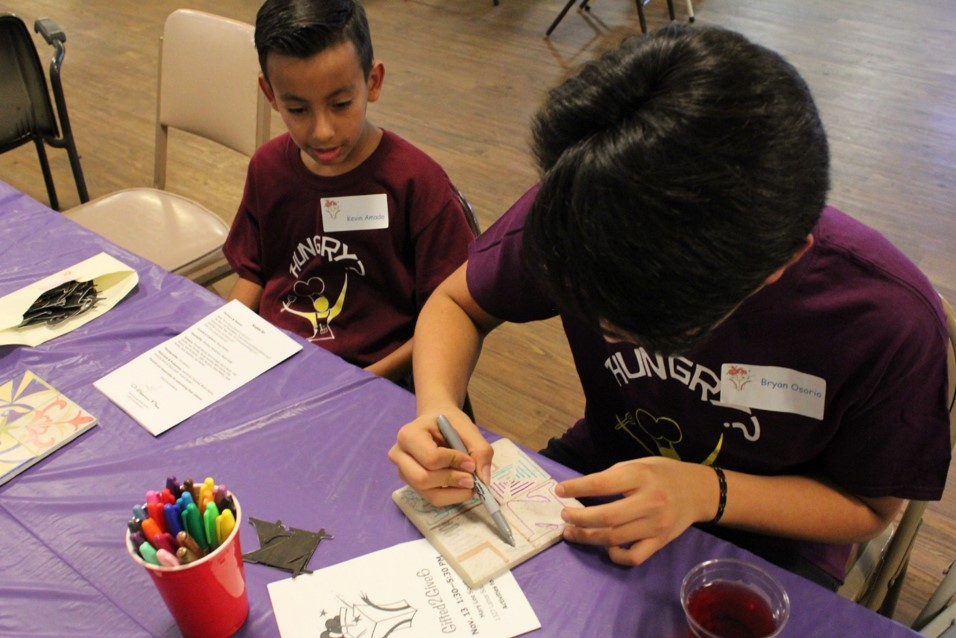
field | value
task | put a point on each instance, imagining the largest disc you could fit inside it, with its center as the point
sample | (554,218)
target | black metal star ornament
(287,548)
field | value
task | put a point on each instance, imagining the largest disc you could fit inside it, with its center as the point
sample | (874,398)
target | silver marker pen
(487,498)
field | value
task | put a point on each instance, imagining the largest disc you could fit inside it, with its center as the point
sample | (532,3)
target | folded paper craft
(111,280)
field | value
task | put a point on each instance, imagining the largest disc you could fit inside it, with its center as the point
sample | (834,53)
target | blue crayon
(172,514)
(185,500)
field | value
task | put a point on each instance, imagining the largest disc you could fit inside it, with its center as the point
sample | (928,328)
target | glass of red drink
(731,598)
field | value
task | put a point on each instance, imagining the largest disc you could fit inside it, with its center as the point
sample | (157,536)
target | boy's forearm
(395,365)
(804,508)
(248,293)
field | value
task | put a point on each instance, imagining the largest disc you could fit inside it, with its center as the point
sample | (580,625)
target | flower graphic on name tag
(332,208)
(739,376)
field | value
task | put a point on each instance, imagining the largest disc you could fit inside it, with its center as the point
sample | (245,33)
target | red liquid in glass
(731,610)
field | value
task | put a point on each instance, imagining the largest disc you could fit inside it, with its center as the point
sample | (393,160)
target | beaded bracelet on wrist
(722,480)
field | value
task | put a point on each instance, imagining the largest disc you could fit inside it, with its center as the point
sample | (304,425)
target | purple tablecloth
(305,443)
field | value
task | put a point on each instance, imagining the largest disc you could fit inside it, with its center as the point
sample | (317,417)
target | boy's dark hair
(679,171)
(302,28)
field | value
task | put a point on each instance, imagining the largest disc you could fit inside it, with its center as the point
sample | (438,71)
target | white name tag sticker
(772,388)
(356,212)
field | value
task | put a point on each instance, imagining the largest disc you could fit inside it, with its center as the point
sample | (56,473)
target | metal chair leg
(640,15)
(74,156)
(560,17)
(690,10)
(47,175)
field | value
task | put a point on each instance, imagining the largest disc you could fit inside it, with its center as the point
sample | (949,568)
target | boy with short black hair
(344,229)
(753,360)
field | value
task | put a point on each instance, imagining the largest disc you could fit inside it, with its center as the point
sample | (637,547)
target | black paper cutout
(58,304)
(287,548)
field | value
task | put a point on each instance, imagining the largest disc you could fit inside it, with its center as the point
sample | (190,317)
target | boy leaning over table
(754,361)
(344,229)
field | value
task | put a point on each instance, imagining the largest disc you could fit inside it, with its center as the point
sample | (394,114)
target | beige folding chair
(938,617)
(876,577)
(208,86)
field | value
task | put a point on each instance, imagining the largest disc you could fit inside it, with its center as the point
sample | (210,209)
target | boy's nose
(322,129)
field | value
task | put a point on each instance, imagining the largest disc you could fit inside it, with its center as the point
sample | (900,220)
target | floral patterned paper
(35,420)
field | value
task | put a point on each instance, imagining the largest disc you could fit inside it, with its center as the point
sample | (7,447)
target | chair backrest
(208,84)
(25,109)
(882,581)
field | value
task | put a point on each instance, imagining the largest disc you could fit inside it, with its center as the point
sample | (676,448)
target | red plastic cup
(206,597)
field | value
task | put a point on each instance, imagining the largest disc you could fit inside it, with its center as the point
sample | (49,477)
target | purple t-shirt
(836,370)
(348,261)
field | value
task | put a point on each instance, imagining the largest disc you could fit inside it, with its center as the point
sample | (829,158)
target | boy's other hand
(661,498)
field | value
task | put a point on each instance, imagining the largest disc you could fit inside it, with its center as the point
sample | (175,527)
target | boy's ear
(267,89)
(376,78)
(793,259)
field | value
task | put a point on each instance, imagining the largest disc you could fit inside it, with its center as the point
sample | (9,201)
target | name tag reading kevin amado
(357,212)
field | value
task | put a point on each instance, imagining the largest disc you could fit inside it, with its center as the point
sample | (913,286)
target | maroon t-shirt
(842,362)
(356,287)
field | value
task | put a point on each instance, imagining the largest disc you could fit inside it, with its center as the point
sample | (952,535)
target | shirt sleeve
(243,246)
(441,244)
(895,440)
(496,275)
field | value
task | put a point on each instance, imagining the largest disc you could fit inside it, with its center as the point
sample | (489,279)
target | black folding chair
(26,112)
(586,6)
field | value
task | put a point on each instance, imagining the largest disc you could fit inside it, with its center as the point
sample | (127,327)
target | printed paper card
(35,421)
(465,534)
(221,352)
(405,590)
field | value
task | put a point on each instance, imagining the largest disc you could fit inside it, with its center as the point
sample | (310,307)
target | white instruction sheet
(221,352)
